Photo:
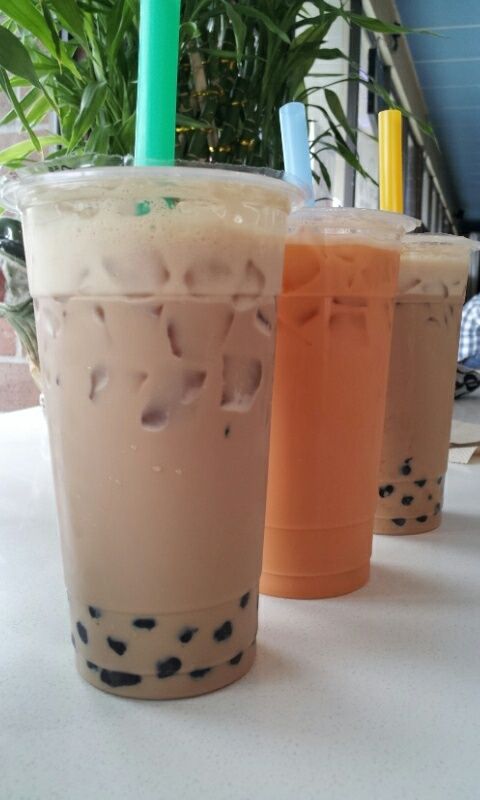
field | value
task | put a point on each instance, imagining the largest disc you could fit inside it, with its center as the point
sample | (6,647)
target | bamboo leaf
(71,16)
(16,153)
(336,108)
(7,87)
(251,11)
(15,58)
(323,170)
(239,28)
(190,122)
(329,53)
(38,110)
(25,102)
(91,102)
(51,27)
(26,16)
(378,26)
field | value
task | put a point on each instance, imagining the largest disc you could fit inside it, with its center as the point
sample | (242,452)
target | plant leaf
(251,11)
(336,108)
(51,27)
(15,58)
(26,16)
(323,170)
(25,102)
(184,121)
(71,16)
(378,26)
(239,28)
(16,153)
(7,87)
(91,102)
(329,53)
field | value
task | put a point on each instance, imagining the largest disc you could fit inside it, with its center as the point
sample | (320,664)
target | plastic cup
(155,293)
(333,341)
(421,384)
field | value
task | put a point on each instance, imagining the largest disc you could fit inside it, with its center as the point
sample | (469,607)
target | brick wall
(17,390)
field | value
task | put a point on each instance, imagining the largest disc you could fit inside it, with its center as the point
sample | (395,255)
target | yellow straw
(390,157)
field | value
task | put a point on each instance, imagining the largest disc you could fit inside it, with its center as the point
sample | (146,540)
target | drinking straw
(390,156)
(157,82)
(296,152)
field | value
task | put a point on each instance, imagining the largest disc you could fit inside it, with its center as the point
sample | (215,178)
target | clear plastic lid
(363,222)
(52,179)
(437,243)
(434,267)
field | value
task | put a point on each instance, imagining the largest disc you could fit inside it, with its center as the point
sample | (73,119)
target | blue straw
(296,153)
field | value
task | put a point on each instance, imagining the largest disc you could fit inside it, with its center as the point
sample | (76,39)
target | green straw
(157,82)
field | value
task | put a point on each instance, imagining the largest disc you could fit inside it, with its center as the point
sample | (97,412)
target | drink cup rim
(338,221)
(19,188)
(413,242)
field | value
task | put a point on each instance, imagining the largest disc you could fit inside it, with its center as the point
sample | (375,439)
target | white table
(373,696)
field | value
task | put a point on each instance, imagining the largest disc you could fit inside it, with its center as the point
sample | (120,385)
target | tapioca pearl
(146,623)
(236,659)
(407,500)
(186,635)
(440,479)
(437,508)
(94,612)
(227,431)
(244,600)
(82,632)
(422,518)
(168,667)
(420,483)
(200,673)
(405,468)
(116,645)
(430,496)
(116,679)
(223,632)
(92,666)
(400,521)
(386,491)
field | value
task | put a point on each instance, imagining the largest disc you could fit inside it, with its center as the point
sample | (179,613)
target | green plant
(16,305)
(76,60)
(239,62)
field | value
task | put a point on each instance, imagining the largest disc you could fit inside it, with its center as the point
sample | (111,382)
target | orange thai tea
(333,345)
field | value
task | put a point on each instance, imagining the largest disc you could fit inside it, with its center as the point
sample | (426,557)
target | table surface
(374,695)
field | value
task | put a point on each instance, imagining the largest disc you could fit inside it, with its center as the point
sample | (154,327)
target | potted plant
(239,62)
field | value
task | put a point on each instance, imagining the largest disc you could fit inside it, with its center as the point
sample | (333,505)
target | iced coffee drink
(433,275)
(154,292)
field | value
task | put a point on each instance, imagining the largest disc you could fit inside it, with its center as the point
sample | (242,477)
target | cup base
(314,587)
(411,527)
(151,687)
(163,655)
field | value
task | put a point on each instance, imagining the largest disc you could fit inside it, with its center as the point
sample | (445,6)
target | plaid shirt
(469,344)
